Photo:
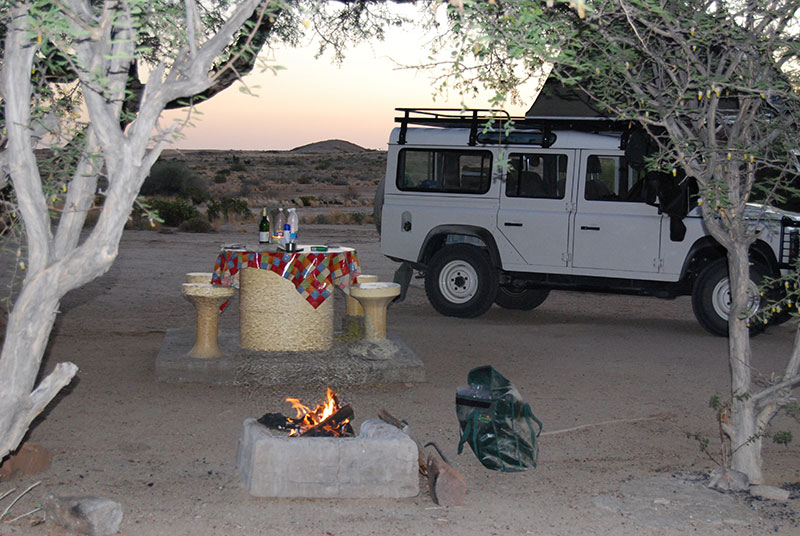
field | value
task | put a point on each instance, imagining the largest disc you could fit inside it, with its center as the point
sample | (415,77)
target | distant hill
(329,146)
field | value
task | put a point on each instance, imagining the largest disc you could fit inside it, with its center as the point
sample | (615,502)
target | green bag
(496,423)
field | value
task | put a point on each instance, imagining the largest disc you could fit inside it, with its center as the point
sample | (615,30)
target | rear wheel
(461,281)
(711,297)
(523,299)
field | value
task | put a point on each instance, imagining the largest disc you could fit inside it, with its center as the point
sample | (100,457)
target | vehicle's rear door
(615,233)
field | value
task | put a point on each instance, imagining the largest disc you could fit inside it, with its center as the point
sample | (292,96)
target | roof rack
(474,119)
(477,118)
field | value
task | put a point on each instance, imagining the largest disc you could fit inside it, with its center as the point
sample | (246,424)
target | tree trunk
(28,331)
(743,429)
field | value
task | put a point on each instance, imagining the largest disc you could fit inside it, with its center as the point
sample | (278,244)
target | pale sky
(314,99)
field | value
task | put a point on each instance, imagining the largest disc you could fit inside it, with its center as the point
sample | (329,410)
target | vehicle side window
(541,176)
(610,178)
(440,170)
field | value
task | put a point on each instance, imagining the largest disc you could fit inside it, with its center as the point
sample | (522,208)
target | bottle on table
(263,228)
(280,220)
(293,223)
(287,233)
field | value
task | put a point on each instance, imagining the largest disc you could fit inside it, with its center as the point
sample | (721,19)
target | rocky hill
(329,146)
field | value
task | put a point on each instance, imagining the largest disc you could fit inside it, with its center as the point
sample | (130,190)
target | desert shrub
(170,177)
(307,200)
(195,195)
(236,163)
(227,207)
(325,164)
(221,177)
(173,212)
(305,179)
(340,182)
(337,217)
(198,224)
(352,193)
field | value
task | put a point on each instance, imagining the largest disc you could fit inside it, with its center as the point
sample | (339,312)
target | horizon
(311,100)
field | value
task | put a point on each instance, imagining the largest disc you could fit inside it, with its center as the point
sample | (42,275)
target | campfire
(328,419)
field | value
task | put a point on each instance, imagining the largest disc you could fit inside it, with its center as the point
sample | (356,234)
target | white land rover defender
(564,210)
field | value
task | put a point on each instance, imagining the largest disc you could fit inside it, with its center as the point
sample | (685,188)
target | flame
(308,418)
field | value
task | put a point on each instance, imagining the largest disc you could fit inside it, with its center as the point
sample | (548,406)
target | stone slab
(666,502)
(348,362)
(381,462)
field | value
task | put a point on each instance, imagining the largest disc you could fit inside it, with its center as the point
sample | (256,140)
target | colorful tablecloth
(312,273)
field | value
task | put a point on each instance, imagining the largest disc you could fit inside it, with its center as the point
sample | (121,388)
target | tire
(711,297)
(460,281)
(522,299)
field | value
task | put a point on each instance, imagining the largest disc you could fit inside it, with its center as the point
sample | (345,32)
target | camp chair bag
(496,423)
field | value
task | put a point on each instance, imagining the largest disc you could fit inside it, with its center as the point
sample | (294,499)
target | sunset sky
(314,99)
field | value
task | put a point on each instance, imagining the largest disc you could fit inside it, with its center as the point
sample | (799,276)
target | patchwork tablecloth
(312,273)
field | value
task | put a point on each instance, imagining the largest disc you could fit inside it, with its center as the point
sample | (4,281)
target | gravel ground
(166,452)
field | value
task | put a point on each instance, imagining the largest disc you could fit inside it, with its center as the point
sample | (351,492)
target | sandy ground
(166,452)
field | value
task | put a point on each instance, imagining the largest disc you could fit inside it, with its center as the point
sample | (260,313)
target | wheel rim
(721,298)
(458,281)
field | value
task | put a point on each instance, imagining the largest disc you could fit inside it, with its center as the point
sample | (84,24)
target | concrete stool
(207,299)
(353,307)
(374,298)
(199,277)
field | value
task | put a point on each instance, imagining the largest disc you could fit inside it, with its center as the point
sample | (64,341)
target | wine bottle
(263,228)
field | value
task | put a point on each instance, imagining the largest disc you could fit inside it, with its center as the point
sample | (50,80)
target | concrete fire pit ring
(381,462)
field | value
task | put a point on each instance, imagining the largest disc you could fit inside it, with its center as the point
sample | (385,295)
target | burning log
(329,418)
(337,424)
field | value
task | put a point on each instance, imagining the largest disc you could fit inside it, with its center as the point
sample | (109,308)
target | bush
(171,177)
(228,207)
(173,212)
(198,224)
(221,177)
(237,164)
(307,200)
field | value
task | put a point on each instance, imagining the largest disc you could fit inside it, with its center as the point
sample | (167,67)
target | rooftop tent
(557,101)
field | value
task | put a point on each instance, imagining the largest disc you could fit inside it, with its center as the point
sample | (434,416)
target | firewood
(448,486)
(333,422)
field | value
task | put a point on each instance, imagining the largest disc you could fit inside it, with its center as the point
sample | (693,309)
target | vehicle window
(540,176)
(440,170)
(610,178)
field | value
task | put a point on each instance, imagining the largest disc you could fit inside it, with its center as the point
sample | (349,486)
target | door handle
(589,228)
(512,224)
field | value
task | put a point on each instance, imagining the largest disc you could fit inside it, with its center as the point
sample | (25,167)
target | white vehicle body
(568,213)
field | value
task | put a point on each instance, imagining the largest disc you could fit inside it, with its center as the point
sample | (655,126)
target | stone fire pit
(381,462)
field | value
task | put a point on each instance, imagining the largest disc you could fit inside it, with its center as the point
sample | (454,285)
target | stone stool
(207,299)
(374,298)
(199,277)
(353,307)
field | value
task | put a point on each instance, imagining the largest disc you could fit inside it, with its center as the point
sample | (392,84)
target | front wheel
(711,297)
(522,299)
(461,281)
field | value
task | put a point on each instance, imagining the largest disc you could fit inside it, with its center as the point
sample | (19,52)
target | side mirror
(650,189)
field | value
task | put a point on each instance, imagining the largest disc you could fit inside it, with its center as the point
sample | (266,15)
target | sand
(166,452)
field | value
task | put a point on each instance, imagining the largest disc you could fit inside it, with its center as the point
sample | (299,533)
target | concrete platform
(354,362)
